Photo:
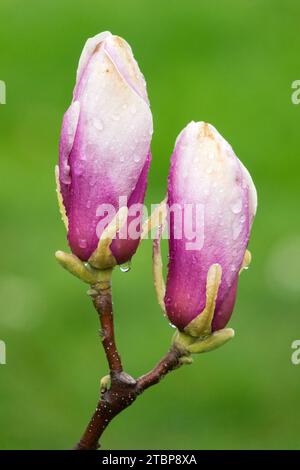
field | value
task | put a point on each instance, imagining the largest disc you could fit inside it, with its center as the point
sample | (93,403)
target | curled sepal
(191,345)
(246,261)
(185,360)
(61,206)
(76,267)
(98,279)
(105,383)
(201,325)
(102,257)
(158,220)
(211,342)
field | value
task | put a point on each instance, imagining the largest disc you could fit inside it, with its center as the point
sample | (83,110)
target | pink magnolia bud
(206,174)
(105,144)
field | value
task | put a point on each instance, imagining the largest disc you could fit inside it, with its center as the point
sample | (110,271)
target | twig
(103,304)
(123,389)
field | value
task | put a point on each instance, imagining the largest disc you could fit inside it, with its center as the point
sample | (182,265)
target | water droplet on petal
(236,206)
(136,158)
(82,243)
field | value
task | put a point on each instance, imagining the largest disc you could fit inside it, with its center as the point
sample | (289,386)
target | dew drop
(136,158)
(124,268)
(236,206)
(82,243)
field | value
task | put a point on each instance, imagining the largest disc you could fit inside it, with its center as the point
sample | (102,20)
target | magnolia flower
(202,278)
(104,150)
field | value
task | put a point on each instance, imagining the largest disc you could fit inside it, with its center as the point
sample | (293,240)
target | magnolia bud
(207,177)
(105,140)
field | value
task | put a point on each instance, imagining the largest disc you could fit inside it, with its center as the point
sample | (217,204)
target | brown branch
(103,304)
(168,363)
(123,389)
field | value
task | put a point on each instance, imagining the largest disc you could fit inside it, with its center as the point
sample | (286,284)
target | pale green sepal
(213,341)
(246,261)
(186,360)
(102,257)
(98,279)
(201,325)
(182,341)
(105,383)
(75,266)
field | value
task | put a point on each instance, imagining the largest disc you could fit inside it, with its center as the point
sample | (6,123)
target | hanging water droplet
(125,267)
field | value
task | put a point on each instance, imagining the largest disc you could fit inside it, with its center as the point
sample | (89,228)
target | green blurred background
(230,63)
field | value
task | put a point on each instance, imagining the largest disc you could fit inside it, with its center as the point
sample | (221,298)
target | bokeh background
(230,63)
